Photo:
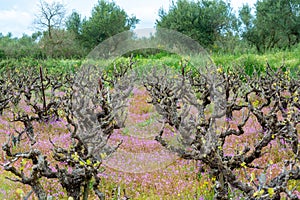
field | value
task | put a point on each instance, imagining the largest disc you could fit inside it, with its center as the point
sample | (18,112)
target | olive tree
(204,21)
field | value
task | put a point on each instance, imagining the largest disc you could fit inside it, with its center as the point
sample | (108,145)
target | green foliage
(79,37)
(148,53)
(269,26)
(205,21)
(251,62)
(52,66)
(107,20)
(62,44)
(74,23)
(26,46)
(2,54)
(275,25)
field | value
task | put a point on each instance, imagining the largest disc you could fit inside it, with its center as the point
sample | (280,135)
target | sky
(16,16)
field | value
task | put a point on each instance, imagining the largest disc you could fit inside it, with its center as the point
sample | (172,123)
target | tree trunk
(221,188)
(38,190)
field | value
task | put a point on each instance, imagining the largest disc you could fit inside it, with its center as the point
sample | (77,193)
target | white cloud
(146,11)
(16,22)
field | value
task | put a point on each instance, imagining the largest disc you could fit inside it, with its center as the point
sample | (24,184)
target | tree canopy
(50,16)
(266,26)
(276,24)
(74,23)
(205,21)
(107,20)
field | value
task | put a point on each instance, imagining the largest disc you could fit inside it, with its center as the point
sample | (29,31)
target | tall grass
(288,58)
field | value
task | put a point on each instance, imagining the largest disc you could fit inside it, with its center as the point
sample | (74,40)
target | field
(142,168)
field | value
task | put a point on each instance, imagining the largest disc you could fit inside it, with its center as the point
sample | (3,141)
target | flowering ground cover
(141,168)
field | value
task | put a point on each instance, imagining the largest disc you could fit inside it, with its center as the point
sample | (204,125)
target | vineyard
(152,127)
(96,104)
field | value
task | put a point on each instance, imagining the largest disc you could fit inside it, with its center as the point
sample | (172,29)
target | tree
(74,23)
(249,31)
(62,44)
(19,47)
(276,24)
(50,16)
(205,21)
(107,20)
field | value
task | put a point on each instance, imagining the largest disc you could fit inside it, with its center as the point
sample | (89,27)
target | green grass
(147,122)
(289,58)
(12,189)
